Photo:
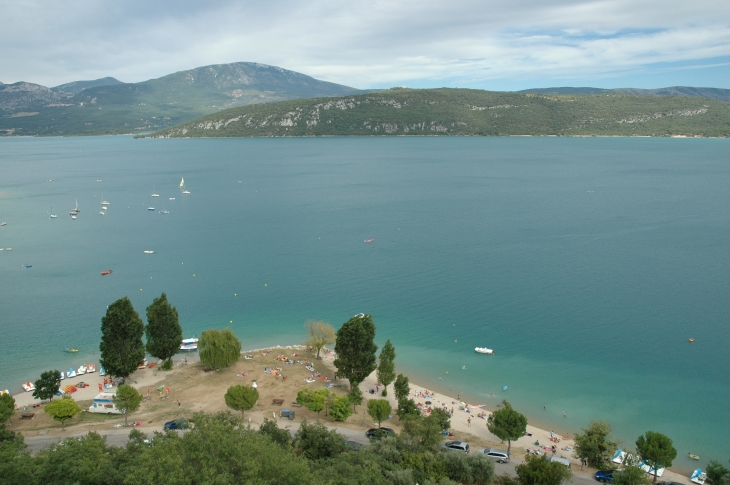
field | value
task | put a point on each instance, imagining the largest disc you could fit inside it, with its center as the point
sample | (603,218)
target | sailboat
(154,192)
(3,223)
(164,211)
(103,207)
(53,216)
(182,186)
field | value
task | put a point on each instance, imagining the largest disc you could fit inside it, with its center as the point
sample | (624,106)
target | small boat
(53,216)
(71,373)
(142,365)
(62,375)
(154,193)
(504,388)
(152,364)
(8,249)
(483,350)
(189,344)
(369,240)
(172,198)
(28,266)
(3,223)
(28,386)
(691,339)
(70,350)
(106,271)
(73,216)
(148,251)
(694,457)
(90,368)
(81,370)
(186,191)
(102,371)
(101,212)
(698,476)
(150,208)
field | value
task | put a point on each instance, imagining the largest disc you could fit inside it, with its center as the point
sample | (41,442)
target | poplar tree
(355,349)
(163,330)
(122,349)
(386,367)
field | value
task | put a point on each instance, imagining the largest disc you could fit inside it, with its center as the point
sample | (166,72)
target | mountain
(712,93)
(166,101)
(77,86)
(467,112)
(23,96)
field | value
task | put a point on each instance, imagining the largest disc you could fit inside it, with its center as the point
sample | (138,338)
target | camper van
(104,403)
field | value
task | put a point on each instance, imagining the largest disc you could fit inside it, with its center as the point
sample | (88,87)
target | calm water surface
(586,263)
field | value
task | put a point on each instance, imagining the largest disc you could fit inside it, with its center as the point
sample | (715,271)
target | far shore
(191,392)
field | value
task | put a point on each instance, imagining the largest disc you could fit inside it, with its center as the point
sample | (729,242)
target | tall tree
(47,386)
(127,400)
(630,475)
(163,330)
(379,410)
(537,470)
(219,349)
(386,367)
(241,398)
(355,397)
(122,349)
(656,449)
(717,474)
(7,407)
(319,334)
(355,348)
(594,444)
(401,387)
(62,409)
(507,424)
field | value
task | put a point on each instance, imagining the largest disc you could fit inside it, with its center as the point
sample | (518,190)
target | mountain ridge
(712,93)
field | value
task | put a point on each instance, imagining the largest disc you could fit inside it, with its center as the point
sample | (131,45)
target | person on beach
(148,392)
(552,435)
(178,404)
(468,421)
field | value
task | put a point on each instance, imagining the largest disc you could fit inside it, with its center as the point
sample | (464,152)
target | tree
(340,410)
(717,474)
(379,410)
(241,398)
(407,407)
(62,409)
(507,424)
(314,401)
(277,435)
(594,445)
(7,407)
(476,468)
(424,433)
(316,442)
(219,349)
(537,470)
(121,344)
(355,397)
(319,334)
(401,387)
(355,349)
(47,386)
(127,399)
(386,367)
(630,475)
(656,449)
(163,330)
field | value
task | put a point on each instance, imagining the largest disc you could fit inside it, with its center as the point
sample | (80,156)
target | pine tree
(122,349)
(163,330)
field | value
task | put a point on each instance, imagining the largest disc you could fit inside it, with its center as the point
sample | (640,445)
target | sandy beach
(194,390)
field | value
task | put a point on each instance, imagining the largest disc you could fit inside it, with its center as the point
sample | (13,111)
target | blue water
(586,263)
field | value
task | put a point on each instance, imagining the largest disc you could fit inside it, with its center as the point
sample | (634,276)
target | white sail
(182,182)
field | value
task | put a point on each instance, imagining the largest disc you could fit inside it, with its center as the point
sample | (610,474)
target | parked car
(176,424)
(379,432)
(605,476)
(500,456)
(455,446)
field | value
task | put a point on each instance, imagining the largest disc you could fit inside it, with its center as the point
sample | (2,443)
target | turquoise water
(586,263)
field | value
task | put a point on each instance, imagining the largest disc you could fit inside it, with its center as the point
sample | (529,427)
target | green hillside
(157,103)
(467,112)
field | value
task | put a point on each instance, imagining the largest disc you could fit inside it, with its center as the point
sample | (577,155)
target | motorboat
(172,198)
(106,271)
(73,216)
(28,386)
(70,350)
(150,208)
(148,251)
(484,350)
(189,344)
(698,476)
(370,239)
(90,368)
(186,191)
(81,370)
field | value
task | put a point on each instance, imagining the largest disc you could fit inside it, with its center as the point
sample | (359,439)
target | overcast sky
(499,45)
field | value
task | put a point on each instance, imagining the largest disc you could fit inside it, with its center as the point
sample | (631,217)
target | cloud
(360,43)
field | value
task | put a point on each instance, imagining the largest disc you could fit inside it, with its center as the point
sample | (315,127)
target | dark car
(379,432)
(605,476)
(176,424)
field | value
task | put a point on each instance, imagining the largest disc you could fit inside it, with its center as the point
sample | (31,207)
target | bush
(316,442)
(384,393)
(341,410)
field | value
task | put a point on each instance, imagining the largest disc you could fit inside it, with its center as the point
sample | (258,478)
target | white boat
(619,456)
(28,386)
(102,212)
(150,208)
(81,370)
(698,476)
(189,344)
(71,373)
(73,216)
(154,193)
(63,376)
(142,365)
(164,211)
(182,182)
(53,216)
(172,198)
(484,350)
(148,251)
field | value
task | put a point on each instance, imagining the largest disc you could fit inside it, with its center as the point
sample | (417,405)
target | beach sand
(203,391)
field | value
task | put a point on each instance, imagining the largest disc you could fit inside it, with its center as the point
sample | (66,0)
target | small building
(104,403)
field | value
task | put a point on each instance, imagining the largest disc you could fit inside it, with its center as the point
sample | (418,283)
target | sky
(484,44)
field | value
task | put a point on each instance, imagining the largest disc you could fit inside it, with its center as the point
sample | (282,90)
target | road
(120,437)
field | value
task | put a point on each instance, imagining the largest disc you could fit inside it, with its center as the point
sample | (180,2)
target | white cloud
(359,43)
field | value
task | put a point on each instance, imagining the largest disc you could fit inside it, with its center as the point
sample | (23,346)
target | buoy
(266,284)
(235,294)
(463,367)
